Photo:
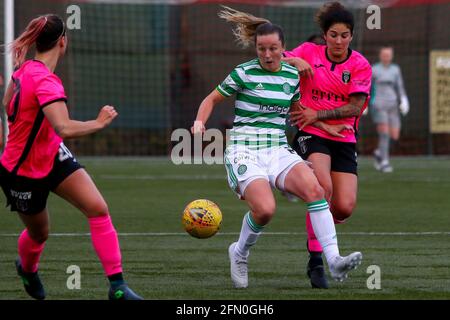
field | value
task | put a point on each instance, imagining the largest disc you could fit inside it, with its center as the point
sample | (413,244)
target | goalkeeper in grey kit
(388,100)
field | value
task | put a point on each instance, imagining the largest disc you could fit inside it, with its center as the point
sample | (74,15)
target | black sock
(116,279)
(315,258)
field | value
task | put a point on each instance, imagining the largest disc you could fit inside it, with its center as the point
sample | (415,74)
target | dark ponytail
(44,31)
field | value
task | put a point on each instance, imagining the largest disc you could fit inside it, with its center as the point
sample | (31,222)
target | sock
(250,232)
(116,280)
(106,244)
(383,146)
(313,243)
(323,225)
(29,252)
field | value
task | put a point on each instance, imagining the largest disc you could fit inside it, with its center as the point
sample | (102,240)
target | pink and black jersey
(32,142)
(332,84)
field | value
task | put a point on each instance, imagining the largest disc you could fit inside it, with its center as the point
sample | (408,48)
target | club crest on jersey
(286,88)
(346,76)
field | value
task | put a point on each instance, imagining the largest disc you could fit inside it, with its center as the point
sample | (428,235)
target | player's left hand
(198,127)
(106,115)
(338,129)
(404,105)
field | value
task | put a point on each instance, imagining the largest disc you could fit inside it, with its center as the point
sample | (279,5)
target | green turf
(148,196)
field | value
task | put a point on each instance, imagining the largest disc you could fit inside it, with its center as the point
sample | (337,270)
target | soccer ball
(202,218)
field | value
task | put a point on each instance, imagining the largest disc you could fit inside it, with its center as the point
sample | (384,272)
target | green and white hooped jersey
(262,104)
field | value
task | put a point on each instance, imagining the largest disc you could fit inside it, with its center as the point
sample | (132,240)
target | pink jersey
(32,143)
(332,84)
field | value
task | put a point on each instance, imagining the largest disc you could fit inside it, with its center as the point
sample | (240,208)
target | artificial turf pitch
(401,224)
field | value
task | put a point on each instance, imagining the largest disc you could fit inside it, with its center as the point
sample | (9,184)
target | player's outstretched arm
(67,128)
(205,110)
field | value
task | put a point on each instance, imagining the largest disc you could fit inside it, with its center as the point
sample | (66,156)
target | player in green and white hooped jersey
(257,158)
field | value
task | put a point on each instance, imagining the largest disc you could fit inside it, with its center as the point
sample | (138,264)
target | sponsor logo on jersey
(259,86)
(273,108)
(330,96)
(365,82)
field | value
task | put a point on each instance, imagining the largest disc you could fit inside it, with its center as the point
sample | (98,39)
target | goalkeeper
(388,100)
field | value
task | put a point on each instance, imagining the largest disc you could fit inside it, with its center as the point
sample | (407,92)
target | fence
(156,60)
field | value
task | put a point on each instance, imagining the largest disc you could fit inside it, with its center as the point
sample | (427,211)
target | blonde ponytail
(246,25)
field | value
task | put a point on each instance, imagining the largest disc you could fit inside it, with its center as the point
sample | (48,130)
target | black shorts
(29,196)
(343,154)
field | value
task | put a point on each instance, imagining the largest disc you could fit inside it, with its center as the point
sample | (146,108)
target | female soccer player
(335,84)
(387,99)
(35,160)
(258,157)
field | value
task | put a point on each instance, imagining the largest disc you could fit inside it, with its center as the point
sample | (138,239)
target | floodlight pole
(9,37)
(8,6)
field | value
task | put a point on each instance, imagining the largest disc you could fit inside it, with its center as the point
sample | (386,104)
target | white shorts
(244,165)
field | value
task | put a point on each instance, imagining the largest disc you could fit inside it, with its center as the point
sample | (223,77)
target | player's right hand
(198,127)
(106,115)
(304,68)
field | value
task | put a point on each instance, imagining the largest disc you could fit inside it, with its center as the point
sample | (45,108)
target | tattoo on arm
(353,109)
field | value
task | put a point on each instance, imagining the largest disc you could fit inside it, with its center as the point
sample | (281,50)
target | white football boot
(377,159)
(385,167)
(239,269)
(342,265)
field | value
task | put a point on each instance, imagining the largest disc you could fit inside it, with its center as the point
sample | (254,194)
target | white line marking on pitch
(157,234)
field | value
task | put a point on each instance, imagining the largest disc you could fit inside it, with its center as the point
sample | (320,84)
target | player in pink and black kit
(35,160)
(335,85)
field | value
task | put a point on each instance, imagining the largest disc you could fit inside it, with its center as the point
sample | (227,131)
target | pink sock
(313,243)
(106,244)
(29,252)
